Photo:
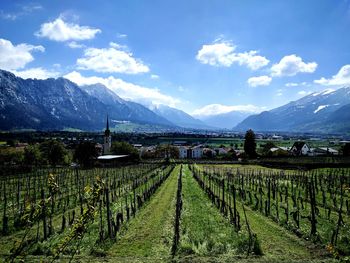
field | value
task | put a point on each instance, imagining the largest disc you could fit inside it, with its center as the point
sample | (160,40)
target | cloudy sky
(201,56)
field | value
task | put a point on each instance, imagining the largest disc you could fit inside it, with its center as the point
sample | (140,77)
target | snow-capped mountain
(60,103)
(325,111)
(125,110)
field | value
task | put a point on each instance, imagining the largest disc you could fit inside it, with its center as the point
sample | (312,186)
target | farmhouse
(183,152)
(195,152)
(300,148)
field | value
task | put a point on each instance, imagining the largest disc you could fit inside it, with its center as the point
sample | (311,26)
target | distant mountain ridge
(224,120)
(60,103)
(179,117)
(324,112)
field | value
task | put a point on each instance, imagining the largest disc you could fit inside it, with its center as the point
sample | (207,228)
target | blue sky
(204,57)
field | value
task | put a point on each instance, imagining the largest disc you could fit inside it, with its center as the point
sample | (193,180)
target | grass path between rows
(204,231)
(149,236)
(276,242)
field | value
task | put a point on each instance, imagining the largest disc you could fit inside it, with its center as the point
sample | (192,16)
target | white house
(300,148)
(183,152)
(195,152)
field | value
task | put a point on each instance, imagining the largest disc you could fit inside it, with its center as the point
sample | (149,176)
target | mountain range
(322,112)
(60,104)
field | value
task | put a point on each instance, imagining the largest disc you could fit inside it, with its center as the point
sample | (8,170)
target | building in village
(300,148)
(324,151)
(190,152)
(107,140)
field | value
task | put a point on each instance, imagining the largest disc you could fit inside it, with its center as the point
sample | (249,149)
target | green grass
(149,236)
(276,242)
(204,231)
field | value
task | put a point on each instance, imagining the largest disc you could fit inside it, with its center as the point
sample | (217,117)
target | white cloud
(341,78)
(8,16)
(24,10)
(126,90)
(291,65)
(181,89)
(216,109)
(59,30)
(292,84)
(222,54)
(119,35)
(304,93)
(259,81)
(154,76)
(279,92)
(251,60)
(36,73)
(16,56)
(112,59)
(74,44)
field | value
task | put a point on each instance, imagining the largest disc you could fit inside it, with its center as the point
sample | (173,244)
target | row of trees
(49,152)
(53,152)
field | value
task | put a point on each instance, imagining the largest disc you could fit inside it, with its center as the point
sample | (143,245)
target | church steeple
(107,131)
(107,142)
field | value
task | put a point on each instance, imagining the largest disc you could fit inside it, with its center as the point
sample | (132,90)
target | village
(185,151)
(110,148)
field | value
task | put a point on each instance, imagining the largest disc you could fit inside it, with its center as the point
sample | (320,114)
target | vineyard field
(175,213)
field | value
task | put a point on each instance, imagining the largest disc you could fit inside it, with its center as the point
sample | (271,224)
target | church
(107,141)
(108,159)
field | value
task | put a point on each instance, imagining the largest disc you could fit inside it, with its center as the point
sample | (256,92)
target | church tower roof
(107,131)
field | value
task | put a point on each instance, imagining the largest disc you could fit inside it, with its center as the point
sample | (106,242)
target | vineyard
(175,213)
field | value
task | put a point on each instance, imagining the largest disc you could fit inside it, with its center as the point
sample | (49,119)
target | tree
(54,152)
(10,155)
(250,144)
(125,148)
(85,153)
(12,142)
(346,149)
(32,155)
